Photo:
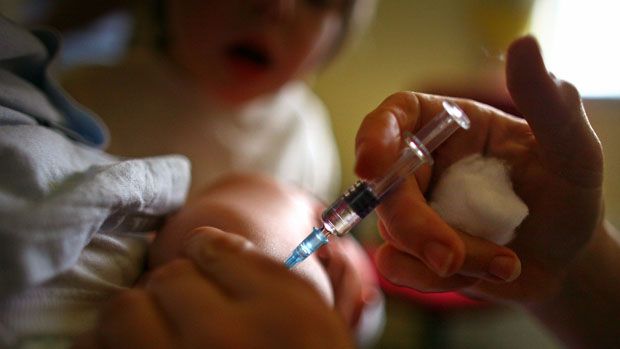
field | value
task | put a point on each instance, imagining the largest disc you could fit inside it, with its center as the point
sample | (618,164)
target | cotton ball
(475,195)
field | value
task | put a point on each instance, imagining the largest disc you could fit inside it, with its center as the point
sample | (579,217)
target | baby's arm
(273,216)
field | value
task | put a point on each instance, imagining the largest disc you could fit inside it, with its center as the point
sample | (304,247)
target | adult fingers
(405,210)
(489,261)
(185,296)
(553,109)
(415,228)
(233,263)
(482,259)
(410,225)
(132,320)
(380,137)
(403,269)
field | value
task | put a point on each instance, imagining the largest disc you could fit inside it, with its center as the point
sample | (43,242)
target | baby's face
(240,49)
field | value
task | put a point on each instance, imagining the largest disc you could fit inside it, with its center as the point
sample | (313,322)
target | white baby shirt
(151,108)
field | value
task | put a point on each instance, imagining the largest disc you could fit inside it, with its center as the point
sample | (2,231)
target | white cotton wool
(475,195)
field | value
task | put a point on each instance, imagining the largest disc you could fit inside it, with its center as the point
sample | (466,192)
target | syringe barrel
(419,147)
(349,209)
(362,198)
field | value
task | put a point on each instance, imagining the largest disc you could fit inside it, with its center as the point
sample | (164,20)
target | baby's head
(240,49)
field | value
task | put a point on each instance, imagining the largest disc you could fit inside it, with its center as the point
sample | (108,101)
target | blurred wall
(416,43)
(604,116)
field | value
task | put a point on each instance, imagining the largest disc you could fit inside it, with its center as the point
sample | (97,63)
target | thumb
(553,110)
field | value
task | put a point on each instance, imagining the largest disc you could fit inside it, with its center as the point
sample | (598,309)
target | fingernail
(439,257)
(505,268)
(226,244)
(212,245)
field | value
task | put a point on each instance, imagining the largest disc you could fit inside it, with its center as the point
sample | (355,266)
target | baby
(221,82)
(73,217)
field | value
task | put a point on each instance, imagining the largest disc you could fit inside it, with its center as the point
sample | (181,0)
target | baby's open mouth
(252,54)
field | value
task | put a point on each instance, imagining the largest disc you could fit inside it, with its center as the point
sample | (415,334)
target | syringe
(364,196)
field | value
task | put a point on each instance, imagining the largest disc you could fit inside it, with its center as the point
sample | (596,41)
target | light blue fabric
(56,188)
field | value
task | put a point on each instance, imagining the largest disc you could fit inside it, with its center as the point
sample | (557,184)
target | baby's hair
(150,24)
(357,15)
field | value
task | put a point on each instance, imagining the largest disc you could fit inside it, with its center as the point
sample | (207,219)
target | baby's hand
(223,294)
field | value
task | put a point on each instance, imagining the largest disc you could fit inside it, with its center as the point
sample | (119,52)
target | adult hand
(223,294)
(556,168)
